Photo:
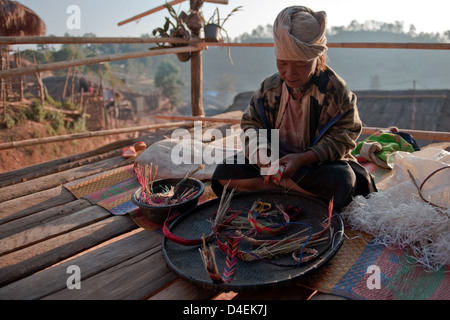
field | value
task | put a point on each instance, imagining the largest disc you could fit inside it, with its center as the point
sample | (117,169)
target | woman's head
(300,44)
(297,73)
(299,34)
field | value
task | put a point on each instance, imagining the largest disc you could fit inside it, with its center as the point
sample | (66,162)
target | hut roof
(18,20)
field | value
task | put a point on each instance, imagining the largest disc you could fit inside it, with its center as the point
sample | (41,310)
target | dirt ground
(17,158)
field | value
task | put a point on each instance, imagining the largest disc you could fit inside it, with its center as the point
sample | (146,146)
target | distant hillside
(363,69)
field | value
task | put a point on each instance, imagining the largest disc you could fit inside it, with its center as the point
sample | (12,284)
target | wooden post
(196,69)
(196,84)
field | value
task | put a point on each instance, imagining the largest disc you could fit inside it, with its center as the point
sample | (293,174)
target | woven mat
(348,274)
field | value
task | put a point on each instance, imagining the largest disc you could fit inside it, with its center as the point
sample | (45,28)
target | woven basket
(187,263)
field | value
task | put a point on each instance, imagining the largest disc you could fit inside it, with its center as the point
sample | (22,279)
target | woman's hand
(295,161)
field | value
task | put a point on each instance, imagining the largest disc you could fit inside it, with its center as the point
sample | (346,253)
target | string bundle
(400,219)
(251,234)
(166,195)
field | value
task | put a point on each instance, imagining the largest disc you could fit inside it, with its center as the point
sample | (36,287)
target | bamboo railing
(84,135)
(203,44)
(187,121)
(418,134)
(190,46)
(93,60)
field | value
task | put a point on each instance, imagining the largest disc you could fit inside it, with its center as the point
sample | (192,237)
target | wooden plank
(53,280)
(56,179)
(37,257)
(285,292)
(135,278)
(77,160)
(183,290)
(35,202)
(51,167)
(39,218)
(52,229)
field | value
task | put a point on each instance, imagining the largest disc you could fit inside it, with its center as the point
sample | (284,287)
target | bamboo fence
(191,46)
(418,134)
(186,121)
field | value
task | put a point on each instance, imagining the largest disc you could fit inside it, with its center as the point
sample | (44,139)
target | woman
(315,113)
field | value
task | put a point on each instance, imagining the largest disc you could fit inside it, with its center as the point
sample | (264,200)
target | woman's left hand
(295,161)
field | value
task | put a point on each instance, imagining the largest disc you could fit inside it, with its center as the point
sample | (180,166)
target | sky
(101,17)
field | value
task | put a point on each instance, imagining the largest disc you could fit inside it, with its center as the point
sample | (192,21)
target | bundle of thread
(166,195)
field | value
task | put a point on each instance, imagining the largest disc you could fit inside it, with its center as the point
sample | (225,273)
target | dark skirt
(340,179)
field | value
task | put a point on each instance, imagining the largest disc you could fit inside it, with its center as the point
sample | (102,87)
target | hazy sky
(101,16)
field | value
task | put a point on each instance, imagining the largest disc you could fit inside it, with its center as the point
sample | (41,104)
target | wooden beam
(217,1)
(94,60)
(146,13)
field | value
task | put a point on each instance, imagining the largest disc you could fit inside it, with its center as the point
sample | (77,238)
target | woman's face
(296,73)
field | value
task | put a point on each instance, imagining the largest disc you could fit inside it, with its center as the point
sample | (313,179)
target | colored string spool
(261,211)
(275,178)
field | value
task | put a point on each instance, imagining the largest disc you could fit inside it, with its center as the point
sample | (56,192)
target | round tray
(187,263)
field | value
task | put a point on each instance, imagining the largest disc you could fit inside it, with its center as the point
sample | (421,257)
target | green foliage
(168,80)
(15,116)
(178,26)
(79,125)
(8,121)
(165,69)
(215,18)
(36,111)
(55,119)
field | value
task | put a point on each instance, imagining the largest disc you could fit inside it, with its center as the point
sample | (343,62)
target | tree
(168,80)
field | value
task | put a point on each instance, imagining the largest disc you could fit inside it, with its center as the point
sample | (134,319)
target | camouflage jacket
(334,124)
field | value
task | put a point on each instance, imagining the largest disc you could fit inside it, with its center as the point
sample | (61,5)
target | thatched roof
(18,20)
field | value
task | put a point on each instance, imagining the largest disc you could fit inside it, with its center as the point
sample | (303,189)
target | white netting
(398,217)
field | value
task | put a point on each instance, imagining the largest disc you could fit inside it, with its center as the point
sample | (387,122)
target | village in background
(395,87)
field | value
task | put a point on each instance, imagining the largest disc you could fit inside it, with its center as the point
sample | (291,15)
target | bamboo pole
(172,3)
(418,134)
(146,13)
(84,135)
(389,45)
(349,45)
(85,40)
(93,60)
(199,118)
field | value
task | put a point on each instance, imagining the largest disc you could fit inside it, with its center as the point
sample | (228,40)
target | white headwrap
(299,34)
